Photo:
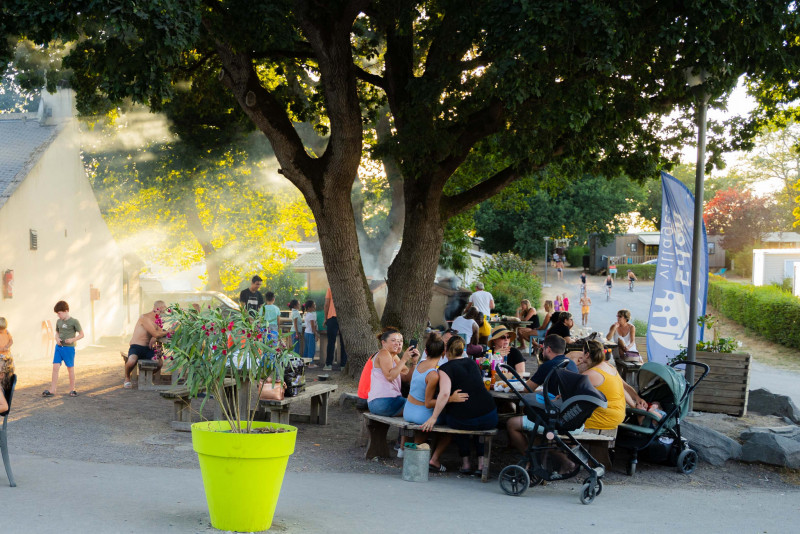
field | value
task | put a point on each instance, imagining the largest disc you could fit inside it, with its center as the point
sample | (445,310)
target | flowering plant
(209,346)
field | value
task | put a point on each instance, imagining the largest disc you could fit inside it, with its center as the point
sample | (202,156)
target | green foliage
(509,288)
(507,261)
(209,346)
(742,261)
(456,244)
(642,272)
(641,327)
(575,255)
(286,284)
(767,310)
(554,204)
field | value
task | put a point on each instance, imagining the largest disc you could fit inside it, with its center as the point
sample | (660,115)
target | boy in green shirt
(68,332)
(271,311)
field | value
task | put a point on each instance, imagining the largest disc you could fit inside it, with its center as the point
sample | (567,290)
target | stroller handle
(706,369)
(513,371)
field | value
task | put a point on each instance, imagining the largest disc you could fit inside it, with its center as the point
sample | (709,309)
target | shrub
(509,288)
(286,284)
(766,310)
(575,255)
(506,262)
(641,327)
(642,272)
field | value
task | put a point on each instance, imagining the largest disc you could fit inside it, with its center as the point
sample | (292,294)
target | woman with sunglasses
(500,343)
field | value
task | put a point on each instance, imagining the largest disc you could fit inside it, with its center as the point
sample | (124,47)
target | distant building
(781,240)
(629,249)
(54,243)
(774,265)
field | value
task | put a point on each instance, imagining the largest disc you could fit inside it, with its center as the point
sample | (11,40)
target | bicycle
(608,292)
(630,284)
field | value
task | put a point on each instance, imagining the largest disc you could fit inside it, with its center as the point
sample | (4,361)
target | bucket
(415,464)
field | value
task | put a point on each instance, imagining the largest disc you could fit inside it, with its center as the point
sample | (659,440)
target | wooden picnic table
(277,411)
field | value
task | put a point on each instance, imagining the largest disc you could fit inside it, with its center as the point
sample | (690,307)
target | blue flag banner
(668,325)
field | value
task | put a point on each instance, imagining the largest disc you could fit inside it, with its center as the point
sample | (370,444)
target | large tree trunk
(413,271)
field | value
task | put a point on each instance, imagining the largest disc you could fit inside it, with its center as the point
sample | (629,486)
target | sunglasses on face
(504,337)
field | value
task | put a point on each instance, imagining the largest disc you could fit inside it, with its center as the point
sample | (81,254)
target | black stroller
(558,455)
(659,440)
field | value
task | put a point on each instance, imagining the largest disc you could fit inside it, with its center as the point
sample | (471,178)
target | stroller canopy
(653,373)
(579,398)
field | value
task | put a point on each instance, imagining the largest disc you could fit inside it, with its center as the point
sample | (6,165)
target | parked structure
(629,249)
(774,265)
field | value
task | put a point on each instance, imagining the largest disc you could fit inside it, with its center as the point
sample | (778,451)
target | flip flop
(127,385)
(433,469)
(73,393)
(465,471)
(46,393)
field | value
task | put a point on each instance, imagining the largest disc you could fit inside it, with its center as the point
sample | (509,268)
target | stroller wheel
(687,461)
(599,487)
(588,493)
(514,480)
(630,469)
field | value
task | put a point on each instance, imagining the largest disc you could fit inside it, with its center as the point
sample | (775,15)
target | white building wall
(75,249)
(770,265)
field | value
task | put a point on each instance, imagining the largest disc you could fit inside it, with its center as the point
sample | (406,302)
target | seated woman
(623,333)
(387,367)
(468,326)
(500,343)
(607,380)
(562,322)
(548,316)
(422,397)
(478,412)
(6,374)
(526,312)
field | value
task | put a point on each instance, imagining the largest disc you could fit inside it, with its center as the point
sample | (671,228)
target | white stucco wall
(75,249)
(770,265)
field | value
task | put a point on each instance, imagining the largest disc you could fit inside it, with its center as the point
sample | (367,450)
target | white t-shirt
(295,314)
(310,317)
(462,325)
(483,301)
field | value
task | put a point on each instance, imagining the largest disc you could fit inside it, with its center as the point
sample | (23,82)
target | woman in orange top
(607,380)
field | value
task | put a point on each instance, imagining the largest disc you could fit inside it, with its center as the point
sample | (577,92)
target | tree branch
(368,77)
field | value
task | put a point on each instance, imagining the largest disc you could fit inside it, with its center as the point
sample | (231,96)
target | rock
(712,447)
(775,446)
(763,401)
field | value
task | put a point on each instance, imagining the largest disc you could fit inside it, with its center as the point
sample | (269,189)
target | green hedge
(575,255)
(766,310)
(509,288)
(642,272)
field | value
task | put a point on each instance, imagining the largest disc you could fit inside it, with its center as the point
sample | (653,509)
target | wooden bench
(143,374)
(278,411)
(182,419)
(378,426)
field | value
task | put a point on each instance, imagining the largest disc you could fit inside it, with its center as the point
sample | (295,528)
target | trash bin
(415,463)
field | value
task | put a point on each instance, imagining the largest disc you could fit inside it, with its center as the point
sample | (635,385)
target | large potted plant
(242,461)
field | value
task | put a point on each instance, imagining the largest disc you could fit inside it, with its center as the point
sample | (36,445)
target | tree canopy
(516,84)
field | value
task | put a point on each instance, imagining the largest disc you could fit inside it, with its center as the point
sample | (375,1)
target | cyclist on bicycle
(631,280)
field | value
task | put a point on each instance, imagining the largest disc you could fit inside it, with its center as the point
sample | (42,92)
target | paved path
(603,314)
(71,497)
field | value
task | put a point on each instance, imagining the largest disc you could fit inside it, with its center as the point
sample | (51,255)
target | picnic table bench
(278,411)
(145,374)
(182,400)
(378,426)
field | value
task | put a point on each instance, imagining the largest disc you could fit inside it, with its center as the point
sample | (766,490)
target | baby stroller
(660,441)
(556,455)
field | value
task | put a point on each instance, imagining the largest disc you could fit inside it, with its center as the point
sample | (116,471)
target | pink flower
(224,352)
(213,347)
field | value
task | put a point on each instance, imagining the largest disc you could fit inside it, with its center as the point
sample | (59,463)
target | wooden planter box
(726,387)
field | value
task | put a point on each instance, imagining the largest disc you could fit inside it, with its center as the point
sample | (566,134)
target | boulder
(775,446)
(712,447)
(764,402)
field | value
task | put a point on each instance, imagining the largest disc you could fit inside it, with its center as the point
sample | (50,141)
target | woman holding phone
(387,368)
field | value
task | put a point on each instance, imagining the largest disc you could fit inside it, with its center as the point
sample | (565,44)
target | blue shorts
(64,354)
(414,413)
(388,406)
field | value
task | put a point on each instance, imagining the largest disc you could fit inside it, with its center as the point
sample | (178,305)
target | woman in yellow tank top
(606,379)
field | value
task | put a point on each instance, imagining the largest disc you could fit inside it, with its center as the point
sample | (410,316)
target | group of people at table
(447,387)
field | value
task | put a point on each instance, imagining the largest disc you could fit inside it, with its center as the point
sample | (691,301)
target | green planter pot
(242,473)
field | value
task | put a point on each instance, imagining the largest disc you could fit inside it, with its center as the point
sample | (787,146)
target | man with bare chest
(145,335)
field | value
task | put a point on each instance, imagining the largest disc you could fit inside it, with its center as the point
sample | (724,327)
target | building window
(712,248)
(34,240)
(633,247)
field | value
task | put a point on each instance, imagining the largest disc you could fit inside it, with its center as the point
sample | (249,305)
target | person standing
(251,298)
(68,332)
(482,300)
(332,324)
(271,312)
(565,302)
(585,303)
(5,338)
(296,329)
(145,335)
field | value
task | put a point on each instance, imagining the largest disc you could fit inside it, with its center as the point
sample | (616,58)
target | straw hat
(500,331)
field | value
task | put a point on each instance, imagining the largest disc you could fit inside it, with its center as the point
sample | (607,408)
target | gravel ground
(109,424)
